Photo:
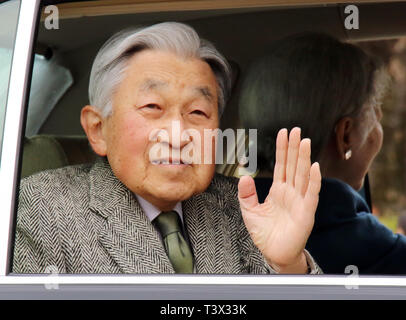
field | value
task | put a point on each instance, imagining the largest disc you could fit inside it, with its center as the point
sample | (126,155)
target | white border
(12,130)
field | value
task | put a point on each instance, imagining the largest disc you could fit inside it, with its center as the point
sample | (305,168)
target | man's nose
(175,134)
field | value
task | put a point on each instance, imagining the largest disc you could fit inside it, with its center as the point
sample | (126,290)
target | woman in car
(333,92)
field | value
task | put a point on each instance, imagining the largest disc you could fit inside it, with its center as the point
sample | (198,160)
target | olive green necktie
(177,249)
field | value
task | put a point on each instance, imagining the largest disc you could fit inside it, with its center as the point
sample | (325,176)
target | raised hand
(281,225)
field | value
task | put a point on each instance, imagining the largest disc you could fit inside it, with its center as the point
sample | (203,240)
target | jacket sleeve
(37,246)
(312,264)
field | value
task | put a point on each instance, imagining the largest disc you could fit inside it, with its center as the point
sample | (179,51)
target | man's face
(161,91)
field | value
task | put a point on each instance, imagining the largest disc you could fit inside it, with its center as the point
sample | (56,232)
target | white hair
(367,116)
(111,61)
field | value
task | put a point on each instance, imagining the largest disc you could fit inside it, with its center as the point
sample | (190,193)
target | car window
(61,140)
(50,81)
(8,26)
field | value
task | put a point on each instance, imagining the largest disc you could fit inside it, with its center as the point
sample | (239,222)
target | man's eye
(199,112)
(152,106)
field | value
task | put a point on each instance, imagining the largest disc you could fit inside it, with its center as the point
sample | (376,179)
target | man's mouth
(170,161)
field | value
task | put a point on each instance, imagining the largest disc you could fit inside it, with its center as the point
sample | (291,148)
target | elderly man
(134,212)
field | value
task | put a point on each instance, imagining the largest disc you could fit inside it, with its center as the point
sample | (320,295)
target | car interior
(54,137)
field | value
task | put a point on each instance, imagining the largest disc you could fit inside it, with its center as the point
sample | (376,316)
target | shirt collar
(152,212)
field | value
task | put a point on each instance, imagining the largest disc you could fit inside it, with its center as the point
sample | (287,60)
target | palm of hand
(281,225)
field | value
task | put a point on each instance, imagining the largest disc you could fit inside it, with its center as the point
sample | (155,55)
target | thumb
(247,193)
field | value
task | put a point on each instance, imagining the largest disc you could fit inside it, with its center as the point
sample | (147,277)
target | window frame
(17,99)
(194,284)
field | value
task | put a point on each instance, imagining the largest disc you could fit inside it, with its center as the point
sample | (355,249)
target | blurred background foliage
(388,172)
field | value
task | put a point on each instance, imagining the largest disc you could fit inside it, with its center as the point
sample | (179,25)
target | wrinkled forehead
(160,71)
(157,85)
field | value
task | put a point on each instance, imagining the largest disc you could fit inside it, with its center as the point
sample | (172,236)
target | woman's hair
(308,80)
(112,59)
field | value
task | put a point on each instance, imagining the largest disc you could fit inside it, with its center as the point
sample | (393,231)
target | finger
(312,194)
(303,167)
(247,193)
(293,152)
(279,172)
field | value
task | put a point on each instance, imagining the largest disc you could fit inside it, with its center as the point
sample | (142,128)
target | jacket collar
(127,234)
(135,245)
(106,191)
(210,233)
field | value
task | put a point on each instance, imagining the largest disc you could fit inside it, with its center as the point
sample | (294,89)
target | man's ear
(92,122)
(344,136)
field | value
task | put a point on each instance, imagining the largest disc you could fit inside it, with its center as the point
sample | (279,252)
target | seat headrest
(43,152)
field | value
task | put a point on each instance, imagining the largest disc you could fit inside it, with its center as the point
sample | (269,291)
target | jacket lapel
(209,232)
(127,235)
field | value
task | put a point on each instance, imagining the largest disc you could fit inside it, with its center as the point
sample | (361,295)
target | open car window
(54,116)
(52,136)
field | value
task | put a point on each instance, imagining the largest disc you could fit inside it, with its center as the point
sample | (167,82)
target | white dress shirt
(152,212)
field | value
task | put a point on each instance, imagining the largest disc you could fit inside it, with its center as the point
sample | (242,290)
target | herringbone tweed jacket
(82,219)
